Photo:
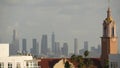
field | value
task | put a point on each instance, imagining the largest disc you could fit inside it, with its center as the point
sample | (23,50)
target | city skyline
(68,19)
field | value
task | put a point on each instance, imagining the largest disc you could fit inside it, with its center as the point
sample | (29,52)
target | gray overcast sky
(69,19)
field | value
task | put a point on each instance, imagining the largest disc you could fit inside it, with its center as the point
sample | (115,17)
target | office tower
(57,49)
(109,39)
(65,49)
(24,46)
(53,42)
(86,45)
(35,50)
(44,45)
(99,49)
(75,46)
(14,46)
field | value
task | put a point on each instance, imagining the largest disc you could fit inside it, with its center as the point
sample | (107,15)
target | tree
(86,53)
(106,64)
(67,65)
(73,58)
(79,60)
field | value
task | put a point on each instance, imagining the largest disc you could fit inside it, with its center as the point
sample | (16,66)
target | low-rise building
(16,61)
(114,61)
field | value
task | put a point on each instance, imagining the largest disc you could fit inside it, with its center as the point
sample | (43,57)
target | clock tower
(109,40)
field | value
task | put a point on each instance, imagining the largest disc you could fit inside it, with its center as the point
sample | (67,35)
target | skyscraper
(14,46)
(109,39)
(44,45)
(35,48)
(57,49)
(24,46)
(86,45)
(65,50)
(53,42)
(75,46)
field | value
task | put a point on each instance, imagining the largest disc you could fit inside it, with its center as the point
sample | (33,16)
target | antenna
(108,3)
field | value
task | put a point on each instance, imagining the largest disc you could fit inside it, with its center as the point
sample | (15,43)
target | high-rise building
(53,42)
(75,46)
(99,49)
(35,48)
(44,45)
(24,46)
(14,46)
(65,49)
(109,39)
(86,45)
(57,49)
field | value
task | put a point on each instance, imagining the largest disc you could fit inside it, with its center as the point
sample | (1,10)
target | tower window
(113,31)
(105,31)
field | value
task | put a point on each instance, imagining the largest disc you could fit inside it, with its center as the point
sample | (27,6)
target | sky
(68,19)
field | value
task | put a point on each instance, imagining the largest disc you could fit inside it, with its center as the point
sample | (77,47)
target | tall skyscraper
(14,46)
(75,46)
(53,42)
(57,49)
(35,50)
(24,46)
(109,39)
(44,45)
(65,49)
(86,45)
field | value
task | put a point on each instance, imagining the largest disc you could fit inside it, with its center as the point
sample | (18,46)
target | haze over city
(68,19)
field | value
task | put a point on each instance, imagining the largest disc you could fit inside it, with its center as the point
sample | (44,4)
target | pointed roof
(109,16)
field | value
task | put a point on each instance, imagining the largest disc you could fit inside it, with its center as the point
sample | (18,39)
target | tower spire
(108,3)
(108,11)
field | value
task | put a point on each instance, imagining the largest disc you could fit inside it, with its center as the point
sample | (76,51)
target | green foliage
(67,65)
(106,64)
(86,53)
(81,62)
(73,58)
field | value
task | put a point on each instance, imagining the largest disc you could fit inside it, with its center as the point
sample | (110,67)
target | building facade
(114,61)
(109,39)
(16,61)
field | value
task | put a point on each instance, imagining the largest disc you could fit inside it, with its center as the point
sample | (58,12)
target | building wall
(114,61)
(14,60)
(4,50)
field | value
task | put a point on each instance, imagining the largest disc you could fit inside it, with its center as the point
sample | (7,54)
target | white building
(114,61)
(18,61)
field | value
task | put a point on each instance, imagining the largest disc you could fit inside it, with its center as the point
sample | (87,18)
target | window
(9,65)
(32,64)
(18,65)
(114,65)
(105,31)
(113,31)
(1,65)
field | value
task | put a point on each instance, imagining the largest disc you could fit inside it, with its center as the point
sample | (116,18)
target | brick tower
(109,39)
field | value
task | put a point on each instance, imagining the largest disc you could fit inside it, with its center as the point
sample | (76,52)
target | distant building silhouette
(75,46)
(14,46)
(86,45)
(53,42)
(24,46)
(57,49)
(81,52)
(35,48)
(44,45)
(65,50)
